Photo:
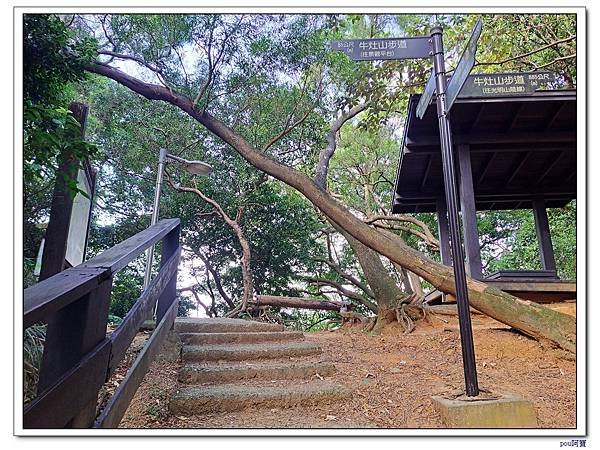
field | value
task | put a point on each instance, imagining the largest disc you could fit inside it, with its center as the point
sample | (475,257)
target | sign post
(464,66)
(432,47)
(426,96)
(462,299)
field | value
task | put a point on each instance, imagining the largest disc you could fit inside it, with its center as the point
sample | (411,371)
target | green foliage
(184,306)
(278,222)
(126,290)
(54,59)
(262,73)
(510,241)
(33,350)
(114,320)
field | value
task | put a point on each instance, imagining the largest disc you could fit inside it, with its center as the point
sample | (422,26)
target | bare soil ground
(393,376)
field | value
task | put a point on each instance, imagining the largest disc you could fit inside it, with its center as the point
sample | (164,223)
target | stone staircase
(232,364)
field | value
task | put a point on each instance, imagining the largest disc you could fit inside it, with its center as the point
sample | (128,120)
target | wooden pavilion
(514,152)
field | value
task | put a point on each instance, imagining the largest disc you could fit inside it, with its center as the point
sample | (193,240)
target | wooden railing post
(78,356)
(73,332)
(170,245)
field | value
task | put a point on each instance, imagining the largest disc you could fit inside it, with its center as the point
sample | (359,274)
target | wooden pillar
(76,329)
(542,229)
(443,231)
(170,244)
(55,246)
(469,213)
(73,332)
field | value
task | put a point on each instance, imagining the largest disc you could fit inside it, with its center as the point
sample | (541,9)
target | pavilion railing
(79,357)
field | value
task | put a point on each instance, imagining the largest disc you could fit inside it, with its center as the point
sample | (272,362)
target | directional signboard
(388,48)
(426,96)
(426,47)
(466,63)
(506,84)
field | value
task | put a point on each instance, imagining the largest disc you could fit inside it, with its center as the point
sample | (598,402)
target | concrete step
(225,373)
(240,337)
(230,397)
(240,352)
(221,325)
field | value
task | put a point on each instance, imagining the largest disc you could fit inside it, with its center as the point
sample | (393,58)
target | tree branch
(288,128)
(217,279)
(362,286)
(426,235)
(532,319)
(329,150)
(524,55)
(342,290)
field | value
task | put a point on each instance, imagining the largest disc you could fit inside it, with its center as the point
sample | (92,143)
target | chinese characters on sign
(377,49)
(506,84)
(493,85)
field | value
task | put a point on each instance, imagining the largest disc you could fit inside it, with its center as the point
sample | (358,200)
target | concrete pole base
(498,410)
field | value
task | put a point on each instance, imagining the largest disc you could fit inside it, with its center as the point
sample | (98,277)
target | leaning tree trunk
(384,287)
(531,318)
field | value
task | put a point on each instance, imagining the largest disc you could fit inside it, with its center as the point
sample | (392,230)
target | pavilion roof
(520,147)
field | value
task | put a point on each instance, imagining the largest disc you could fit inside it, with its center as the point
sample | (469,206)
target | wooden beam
(542,229)
(516,168)
(469,214)
(57,405)
(492,193)
(555,115)
(426,172)
(73,332)
(551,166)
(124,334)
(571,175)
(486,167)
(49,296)
(478,117)
(117,257)
(497,138)
(170,248)
(500,148)
(518,110)
(535,286)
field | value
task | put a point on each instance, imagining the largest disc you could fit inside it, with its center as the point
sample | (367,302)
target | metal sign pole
(464,316)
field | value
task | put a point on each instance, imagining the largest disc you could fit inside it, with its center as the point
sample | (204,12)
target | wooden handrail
(58,291)
(117,257)
(78,357)
(124,334)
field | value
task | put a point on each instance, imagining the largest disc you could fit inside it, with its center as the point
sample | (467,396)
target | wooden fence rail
(78,356)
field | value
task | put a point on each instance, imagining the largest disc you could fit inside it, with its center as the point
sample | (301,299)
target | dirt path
(393,377)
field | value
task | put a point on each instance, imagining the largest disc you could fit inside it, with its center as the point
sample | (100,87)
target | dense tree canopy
(274,80)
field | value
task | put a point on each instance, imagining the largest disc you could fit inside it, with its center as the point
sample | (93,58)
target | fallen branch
(296,302)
